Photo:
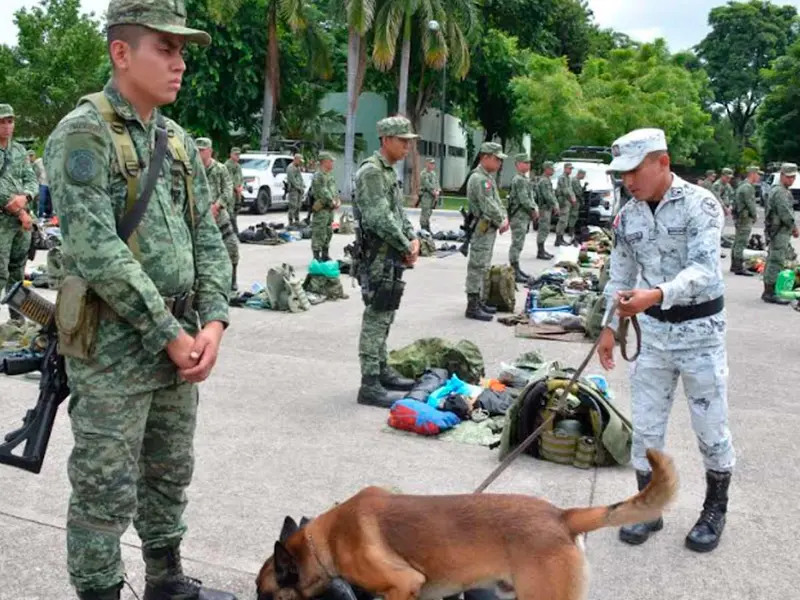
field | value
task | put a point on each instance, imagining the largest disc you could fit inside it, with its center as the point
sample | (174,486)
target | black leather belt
(679,314)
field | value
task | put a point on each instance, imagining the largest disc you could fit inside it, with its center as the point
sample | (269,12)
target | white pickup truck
(264,174)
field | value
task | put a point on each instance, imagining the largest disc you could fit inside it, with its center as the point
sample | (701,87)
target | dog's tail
(647,505)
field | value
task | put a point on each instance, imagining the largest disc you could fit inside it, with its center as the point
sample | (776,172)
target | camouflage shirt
(564,191)
(744,204)
(723,192)
(780,211)
(577,188)
(428,182)
(19,179)
(235,172)
(220,190)
(521,196)
(380,203)
(323,188)
(483,197)
(294,177)
(89,195)
(545,193)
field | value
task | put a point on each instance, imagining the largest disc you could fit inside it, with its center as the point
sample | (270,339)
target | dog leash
(622,334)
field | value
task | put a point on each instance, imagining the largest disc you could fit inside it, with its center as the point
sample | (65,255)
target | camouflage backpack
(500,288)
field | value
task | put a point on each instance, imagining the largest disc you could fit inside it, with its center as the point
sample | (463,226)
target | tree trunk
(272,80)
(354,43)
(402,94)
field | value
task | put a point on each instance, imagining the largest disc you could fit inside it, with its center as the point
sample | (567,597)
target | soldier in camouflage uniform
(237,179)
(389,244)
(745,213)
(161,301)
(429,194)
(780,226)
(487,211)
(723,190)
(221,192)
(548,207)
(326,200)
(521,210)
(708,182)
(577,189)
(296,187)
(18,187)
(665,269)
(566,203)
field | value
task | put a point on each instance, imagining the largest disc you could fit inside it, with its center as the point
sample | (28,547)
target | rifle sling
(132,219)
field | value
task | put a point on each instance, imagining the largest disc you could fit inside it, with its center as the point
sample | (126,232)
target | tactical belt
(180,306)
(679,314)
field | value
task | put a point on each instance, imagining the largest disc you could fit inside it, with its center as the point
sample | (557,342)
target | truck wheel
(263,201)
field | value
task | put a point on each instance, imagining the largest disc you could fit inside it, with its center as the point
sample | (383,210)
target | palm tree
(295,15)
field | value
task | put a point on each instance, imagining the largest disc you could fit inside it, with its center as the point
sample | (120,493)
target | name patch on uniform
(676,230)
(710,206)
(634,237)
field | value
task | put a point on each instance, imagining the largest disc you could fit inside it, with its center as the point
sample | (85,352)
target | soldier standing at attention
(521,210)
(221,193)
(723,190)
(708,182)
(296,189)
(780,226)
(235,172)
(577,189)
(548,206)
(745,213)
(160,302)
(566,203)
(429,190)
(665,269)
(326,200)
(489,217)
(18,186)
(389,244)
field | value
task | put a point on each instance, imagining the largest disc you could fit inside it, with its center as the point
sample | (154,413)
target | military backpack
(500,288)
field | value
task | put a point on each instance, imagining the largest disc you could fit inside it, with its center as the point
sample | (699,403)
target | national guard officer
(325,201)
(296,188)
(489,218)
(160,302)
(744,213)
(521,210)
(548,207)
(237,178)
(780,226)
(665,268)
(389,245)
(723,190)
(566,203)
(429,193)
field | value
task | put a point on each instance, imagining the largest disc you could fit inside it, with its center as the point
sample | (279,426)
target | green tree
(778,116)
(60,56)
(745,38)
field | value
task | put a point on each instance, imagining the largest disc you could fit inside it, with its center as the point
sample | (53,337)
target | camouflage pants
(565,211)
(426,208)
(237,206)
(132,460)
(519,229)
(229,237)
(375,325)
(743,229)
(545,216)
(321,232)
(654,379)
(779,253)
(573,217)
(481,249)
(295,200)
(14,245)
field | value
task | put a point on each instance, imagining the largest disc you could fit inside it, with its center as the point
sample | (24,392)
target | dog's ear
(289,527)
(304,521)
(286,573)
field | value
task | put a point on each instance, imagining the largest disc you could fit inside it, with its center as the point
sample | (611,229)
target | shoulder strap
(6,160)
(181,158)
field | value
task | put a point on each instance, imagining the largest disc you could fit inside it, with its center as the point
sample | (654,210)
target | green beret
(522,157)
(6,111)
(168,16)
(203,142)
(396,127)
(494,149)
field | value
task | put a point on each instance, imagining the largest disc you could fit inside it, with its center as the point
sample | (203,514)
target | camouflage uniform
(779,224)
(707,183)
(745,213)
(323,189)
(296,188)
(428,184)
(387,238)
(133,417)
(577,190)
(237,180)
(723,190)
(547,202)
(17,178)
(675,249)
(567,204)
(521,206)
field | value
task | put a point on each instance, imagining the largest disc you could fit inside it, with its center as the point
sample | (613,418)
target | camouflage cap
(548,164)
(6,111)
(325,156)
(568,165)
(727,171)
(299,157)
(581,171)
(754,169)
(396,127)
(236,150)
(494,149)
(789,169)
(431,161)
(168,16)
(710,172)
(522,158)
(203,142)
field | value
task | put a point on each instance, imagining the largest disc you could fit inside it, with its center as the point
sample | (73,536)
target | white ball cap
(630,150)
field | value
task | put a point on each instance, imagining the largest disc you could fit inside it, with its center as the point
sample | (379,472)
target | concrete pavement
(279,433)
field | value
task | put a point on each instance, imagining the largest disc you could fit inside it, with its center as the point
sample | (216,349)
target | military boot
(112,593)
(325,256)
(372,393)
(519,276)
(392,380)
(542,253)
(770,296)
(487,308)
(737,267)
(474,310)
(638,533)
(316,255)
(560,240)
(165,579)
(234,283)
(706,533)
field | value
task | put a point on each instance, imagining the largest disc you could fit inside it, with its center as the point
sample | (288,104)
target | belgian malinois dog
(404,547)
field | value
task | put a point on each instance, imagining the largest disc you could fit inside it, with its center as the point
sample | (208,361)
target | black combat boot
(737,267)
(560,240)
(325,256)
(474,310)
(392,380)
(372,393)
(519,275)
(234,283)
(165,579)
(638,533)
(770,296)
(542,253)
(487,308)
(705,534)
(316,255)
(112,593)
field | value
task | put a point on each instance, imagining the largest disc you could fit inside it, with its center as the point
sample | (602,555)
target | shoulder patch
(710,206)
(487,184)
(81,165)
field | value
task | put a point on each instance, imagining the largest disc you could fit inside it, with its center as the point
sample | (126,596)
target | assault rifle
(468,227)
(53,386)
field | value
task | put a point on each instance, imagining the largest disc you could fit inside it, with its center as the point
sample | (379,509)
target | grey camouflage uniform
(296,189)
(677,250)
(484,204)
(521,204)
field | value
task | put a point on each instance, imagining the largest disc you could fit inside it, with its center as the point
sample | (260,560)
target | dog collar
(328,572)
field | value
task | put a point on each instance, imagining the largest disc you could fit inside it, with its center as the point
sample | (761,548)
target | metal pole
(442,147)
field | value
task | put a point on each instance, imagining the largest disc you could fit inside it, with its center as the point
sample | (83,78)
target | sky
(683,23)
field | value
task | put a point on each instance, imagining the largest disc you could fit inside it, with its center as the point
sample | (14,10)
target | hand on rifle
(204,352)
